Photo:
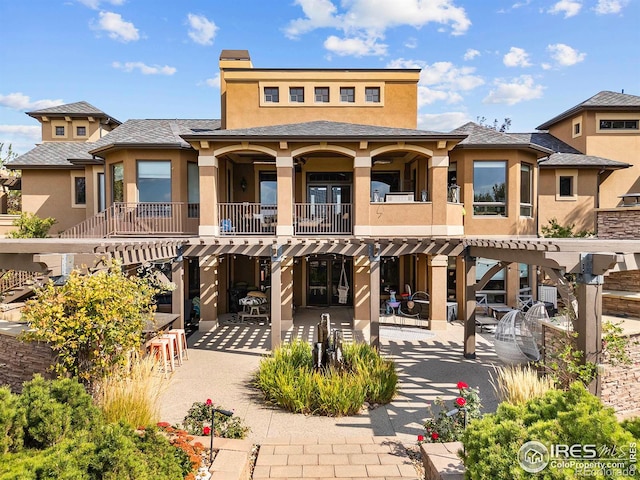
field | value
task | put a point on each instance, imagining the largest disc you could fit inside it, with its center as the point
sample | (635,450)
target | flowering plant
(448,424)
(198,422)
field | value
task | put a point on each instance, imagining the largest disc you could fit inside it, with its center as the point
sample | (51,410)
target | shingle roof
(321,128)
(604,100)
(545,139)
(161,132)
(559,160)
(78,108)
(53,155)
(479,136)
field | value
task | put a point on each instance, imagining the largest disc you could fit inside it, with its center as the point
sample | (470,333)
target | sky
(526,60)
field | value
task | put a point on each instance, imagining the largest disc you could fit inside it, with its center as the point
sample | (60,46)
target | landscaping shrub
(448,424)
(287,379)
(559,417)
(517,384)
(199,416)
(8,410)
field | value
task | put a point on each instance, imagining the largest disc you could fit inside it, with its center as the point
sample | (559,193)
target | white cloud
(515,91)
(22,102)
(411,43)
(364,22)
(202,30)
(22,138)
(545,66)
(605,7)
(213,81)
(570,8)
(471,53)
(442,122)
(517,57)
(144,68)
(95,4)
(564,55)
(117,28)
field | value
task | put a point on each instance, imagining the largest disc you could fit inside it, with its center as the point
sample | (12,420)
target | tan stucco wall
(93,128)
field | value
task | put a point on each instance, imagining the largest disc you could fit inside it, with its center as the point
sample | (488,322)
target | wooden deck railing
(322,219)
(10,279)
(247,219)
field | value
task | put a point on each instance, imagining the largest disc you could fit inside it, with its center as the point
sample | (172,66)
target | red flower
(209,402)
(206,430)
(435,436)
(421,438)
(462,385)
(461,401)
(163,424)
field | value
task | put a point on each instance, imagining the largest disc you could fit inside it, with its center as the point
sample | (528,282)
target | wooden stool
(181,342)
(161,346)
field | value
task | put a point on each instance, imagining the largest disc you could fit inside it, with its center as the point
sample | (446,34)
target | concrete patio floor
(430,363)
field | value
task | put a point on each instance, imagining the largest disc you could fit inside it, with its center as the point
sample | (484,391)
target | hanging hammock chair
(515,343)
(343,286)
(533,319)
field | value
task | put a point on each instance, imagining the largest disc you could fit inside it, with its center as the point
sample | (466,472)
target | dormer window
(347,94)
(296,95)
(618,124)
(81,131)
(59,131)
(271,94)
(372,94)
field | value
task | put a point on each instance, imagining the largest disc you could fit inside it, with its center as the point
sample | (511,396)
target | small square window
(372,94)
(271,94)
(322,94)
(576,129)
(59,131)
(296,94)
(347,94)
(80,190)
(81,131)
(566,186)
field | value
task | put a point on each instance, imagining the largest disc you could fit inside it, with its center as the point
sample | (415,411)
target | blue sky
(523,59)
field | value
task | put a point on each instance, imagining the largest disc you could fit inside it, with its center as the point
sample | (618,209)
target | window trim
(74,195)
(573,174)
(297,95)
(354,95)
(576,124)
(264,94)
(379,95)
(55,131)
(315,95)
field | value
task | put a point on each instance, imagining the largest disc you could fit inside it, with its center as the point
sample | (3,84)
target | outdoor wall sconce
(243,184)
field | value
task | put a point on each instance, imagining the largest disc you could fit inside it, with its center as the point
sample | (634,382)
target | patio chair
(514,340)
(524,302)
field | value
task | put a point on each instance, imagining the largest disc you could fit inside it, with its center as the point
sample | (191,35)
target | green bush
(559,417)
(31,226)
(632,425)
(287,379)
(10,433)
(199,416)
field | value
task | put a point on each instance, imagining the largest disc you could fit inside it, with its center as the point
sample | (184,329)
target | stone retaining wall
(623,223)
(19,361)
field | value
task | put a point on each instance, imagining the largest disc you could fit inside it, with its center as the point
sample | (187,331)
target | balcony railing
(247,219)
(322,219)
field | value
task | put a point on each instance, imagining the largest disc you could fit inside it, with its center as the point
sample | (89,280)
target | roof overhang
(138,146)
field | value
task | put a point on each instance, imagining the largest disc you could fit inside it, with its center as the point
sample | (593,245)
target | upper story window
(347,94)
(322,94)
(526,190)
(271,94)
(79,190)
(296,94)
(576,129)
(618,124)
(154,180)
(193,190)
(117,182)
(372,94)
(81,131)
(59,131)
(489,187)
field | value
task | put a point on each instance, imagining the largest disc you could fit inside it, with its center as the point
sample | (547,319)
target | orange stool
(163,347)
(181,342)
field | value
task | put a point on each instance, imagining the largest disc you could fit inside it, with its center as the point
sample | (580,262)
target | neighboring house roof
(479,137)
(546,140)
(320,129)
(162,133)
(84,109)
(573,160)
(604,100)
(53,155)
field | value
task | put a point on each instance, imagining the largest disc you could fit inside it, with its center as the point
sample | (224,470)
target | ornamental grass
(517,384)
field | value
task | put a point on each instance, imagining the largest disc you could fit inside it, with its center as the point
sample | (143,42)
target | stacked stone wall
(19,361)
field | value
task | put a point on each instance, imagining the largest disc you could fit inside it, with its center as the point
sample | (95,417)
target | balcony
(247,218)
(322,219)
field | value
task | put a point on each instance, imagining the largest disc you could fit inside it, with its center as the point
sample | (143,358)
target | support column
(361,294)
(374,297)
(422,273)
(177,296)
(461,293)
(276,299)
(209,222)
(437,292)
(438,172)
(208,293)
(470,308)
(512,284)
(361,195)
(286,318)
(284,169)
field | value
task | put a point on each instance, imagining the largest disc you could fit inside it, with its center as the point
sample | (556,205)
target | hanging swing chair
(343,286)
(515,342)
(534,317)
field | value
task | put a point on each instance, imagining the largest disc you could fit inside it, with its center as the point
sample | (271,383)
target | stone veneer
(619,223)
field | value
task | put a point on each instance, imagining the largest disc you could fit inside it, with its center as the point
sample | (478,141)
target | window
(154,181)
(59,131)
(271,94)
(495,288)
(268,188)
(383,183)
(81,131)
(565,187)
(372,94)
(524,277)
(618,124)
(322,94)
(79,190)
(347,94)
(193,190)
(576,129)
(490,188)
(117,182)
(526,190)
(102,199)
(296,94)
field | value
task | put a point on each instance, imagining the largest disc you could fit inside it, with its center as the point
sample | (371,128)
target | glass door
(336,272)
(317,285)
(324,280)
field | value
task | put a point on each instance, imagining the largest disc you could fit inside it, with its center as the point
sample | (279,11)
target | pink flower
(461,401)
(462,385)
(421,438)
(435,436)
(206,430)
(209,402)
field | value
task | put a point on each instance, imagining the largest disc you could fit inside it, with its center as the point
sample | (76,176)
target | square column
(361,294)
(589,321)
(361,195)
(470,308)
(209,293)
(177,296)
(438,172)
(276,298)
(286,298)
(437,292)
(209,222)
(284,172)
(374,300)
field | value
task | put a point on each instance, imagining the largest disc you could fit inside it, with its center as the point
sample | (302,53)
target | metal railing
(322,219)
(140,218)
(247,219)
(10,279)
